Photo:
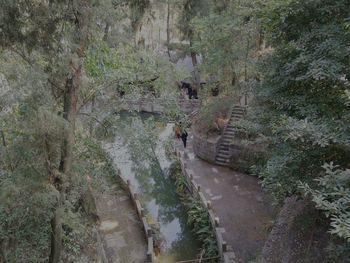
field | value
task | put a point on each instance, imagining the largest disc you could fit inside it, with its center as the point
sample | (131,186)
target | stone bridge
(157,105)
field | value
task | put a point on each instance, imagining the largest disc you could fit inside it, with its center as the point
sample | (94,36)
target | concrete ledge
(150,251)
(146,228)
(213,219)
(203,200)
(221,243)
(139,208)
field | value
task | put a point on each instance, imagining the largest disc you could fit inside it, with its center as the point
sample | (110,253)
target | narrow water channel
(149,178)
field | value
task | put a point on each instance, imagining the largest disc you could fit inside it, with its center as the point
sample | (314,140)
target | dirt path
(244,210)
(121,230)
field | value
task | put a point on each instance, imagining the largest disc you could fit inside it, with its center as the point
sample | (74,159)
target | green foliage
(205,119)
(189,10)
(169,147)
(302,105)
(305,127)
(137,10)
(333,196)
(101,59)
(252,143)
(92,159)
(338,252)
(33,136)
(43,44)
(25,221)
(198,217)
(135,72)
(181,186)
(225,41)
(27,200)
(32,24)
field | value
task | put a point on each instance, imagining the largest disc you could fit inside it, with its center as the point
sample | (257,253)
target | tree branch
(94,118)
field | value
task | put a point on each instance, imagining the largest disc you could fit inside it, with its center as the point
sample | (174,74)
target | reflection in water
(146,166)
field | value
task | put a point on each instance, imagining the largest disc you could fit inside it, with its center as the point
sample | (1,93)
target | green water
(146,166)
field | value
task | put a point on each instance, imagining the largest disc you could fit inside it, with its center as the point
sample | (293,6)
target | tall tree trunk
(193,57)
(73,83)
(259,40)
(233,79)
(246,61)
(3,138)
(106,31)
(195,70)
(168,29)
(69,113)
(246,71)
(56,233)
(70,108)
(56,229)
(91,128)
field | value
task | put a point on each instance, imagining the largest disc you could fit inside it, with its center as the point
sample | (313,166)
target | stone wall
(243,157)
(299,234)
(205,148)
(150,256)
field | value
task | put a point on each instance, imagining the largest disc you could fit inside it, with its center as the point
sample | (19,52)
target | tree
(189,10)
(137,9)
(224,38)
(27,200)
(41,32)
(301,102)
(168,28)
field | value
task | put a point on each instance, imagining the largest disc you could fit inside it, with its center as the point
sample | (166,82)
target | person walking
(178,130)
(190,91)
(184,135)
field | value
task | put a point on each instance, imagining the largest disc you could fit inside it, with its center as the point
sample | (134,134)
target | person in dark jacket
(189,91)
(184,135)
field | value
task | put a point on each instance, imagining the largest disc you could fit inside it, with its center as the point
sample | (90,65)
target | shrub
(332,195)
(216,108)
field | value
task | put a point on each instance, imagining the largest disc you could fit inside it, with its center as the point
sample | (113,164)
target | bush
(198,217)
(216,108)
(332,195)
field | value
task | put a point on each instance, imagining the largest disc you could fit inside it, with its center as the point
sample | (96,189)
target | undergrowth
(198,217)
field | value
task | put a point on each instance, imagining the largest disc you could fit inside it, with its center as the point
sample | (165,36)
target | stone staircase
(188,105)
(223,153)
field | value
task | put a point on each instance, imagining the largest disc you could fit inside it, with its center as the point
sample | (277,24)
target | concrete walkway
(120,229)
(244,210)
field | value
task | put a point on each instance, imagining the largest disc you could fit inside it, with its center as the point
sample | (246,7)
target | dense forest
(66,67)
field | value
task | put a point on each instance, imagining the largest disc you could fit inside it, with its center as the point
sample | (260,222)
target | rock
(297,236)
